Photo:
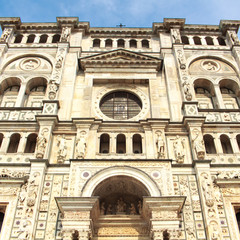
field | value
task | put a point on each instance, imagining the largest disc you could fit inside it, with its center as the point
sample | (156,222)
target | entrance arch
(134,173)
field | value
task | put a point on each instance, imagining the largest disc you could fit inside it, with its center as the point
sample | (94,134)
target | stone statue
(65,34)
(207,190)
(139,207)
(41,145)
(23,193)
(5,35)
(53,88)
(178,146)
(132,209)
(160,145)
(198,145)
(62,149)
(81,146)
(109,209)
(102,208)
(235,38)
(121,206)
(176,35)
(186,89)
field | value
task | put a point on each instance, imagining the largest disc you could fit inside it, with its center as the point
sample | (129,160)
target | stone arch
(135,173)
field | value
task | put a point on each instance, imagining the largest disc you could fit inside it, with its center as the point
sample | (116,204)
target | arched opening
(1,220)
(121,43)
(104,143)
(209,144)
(56,38)
(96,43)
(121,144)
(120,195)
(185,40)
(35,92)
(145,43)
(133,43)
(209,41)
(14,142)
(197,41)
(238,141)
(1,139)
(108,43)
(238,219)
(221,41)
(43,38)
(137,143)
(18,38)
(31,38)
(226,144)
(31,143)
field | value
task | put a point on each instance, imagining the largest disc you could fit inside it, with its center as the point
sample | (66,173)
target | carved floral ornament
(135,90)
(210,65)
(29,64)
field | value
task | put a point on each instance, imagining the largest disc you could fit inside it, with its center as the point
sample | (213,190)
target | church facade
(119,133)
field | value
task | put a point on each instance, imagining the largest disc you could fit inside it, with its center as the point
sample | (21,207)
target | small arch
(1,139)
(197,40)
(145,43)
(43,38)
(221,41)
(121,43)
(185,40)
(18,38)
(209,41)
(133,43)
(108,43)
(104,143)
(31,38)
(14,142)
(137,143)
(121,144)
(31,143)
(96,43)
(226,144)
(209,144)
(56,38)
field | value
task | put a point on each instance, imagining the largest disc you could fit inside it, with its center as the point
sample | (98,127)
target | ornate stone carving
(5,35)
(214,231)
(41,143)
(62,149)
(65,34)
(81,145)
(191,235)
(32,189)
(234,38)
(23,193)
(181,59)
(198,144)
(207,189)
(186,90)
(178,146)
(24,232)
(76,215)
(53,88)
(29,64)
(132,209)
(160,145)
(176,35)
(210,65)
(7,173)
(165,215)
(228,174)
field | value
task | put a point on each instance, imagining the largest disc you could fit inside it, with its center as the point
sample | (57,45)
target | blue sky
(132,13)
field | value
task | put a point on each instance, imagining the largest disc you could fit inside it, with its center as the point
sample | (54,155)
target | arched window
(137,143)
(104,143)
(209,41)
(43,38)
(96,43)
(108,43)
(221,41)
(121,43)
(31,38)
(56,38)
(209,144)
(229,98)
(10,89)
(145,43)
(204,97)
(18,38)
(121,143)
(31,143)
(185,40)
(133,43)
(197,40)
(226,144)
(14,142)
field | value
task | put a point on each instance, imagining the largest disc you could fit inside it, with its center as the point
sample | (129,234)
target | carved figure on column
(207,190)
(23,193)
(132,209)
(81,145)
(41,144)
(160,145)
(62,149)
(181,59)
(186,90)
(53,88)
(214,232)
(178,145)
(23,232)
(198,144)
(176,35)
(65,34)
(32,190)
(234,38)
(5,35)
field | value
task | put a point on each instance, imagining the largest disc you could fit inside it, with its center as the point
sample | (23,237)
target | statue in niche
(176,35)
(186,89)
(41,144)
(139,207)
(234,38)
(102,208)
(121,206)
(81,145)
(160,145)
(62,149)
(5,35)
(65,34)
(178,146)
(109,209)
(207,190)
(198,145)
(132,209)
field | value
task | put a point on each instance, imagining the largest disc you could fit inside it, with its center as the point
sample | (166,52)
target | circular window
(120,105)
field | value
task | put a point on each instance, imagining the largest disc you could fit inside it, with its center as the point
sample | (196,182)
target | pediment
(120,58)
